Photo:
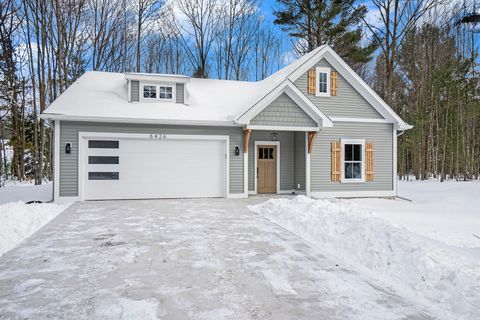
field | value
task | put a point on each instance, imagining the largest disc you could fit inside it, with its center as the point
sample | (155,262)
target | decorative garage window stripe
(103,144)
(103,176)
(103,160)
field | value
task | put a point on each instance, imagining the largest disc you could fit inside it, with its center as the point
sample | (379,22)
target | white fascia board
(296,95)
(281,128)
(157,77)
(354,80)
(140,120)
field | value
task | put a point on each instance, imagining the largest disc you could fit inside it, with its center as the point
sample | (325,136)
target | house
(312,128)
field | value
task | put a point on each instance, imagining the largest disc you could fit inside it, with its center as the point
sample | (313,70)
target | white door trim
(266,143)
(84,136)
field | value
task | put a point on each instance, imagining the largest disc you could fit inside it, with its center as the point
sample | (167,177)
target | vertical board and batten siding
(69,162)
(283,111)
(135,90)
(287,157)
(300,160)
(347,103)
(180,94)
(380,134)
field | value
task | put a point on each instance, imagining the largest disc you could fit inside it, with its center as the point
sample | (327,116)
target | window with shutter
(353,160)
(322,75)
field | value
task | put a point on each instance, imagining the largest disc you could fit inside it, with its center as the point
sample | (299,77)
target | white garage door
(173,166)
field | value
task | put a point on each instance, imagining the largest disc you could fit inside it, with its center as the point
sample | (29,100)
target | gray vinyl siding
(348,103)
(300,160)
(287,157)
(180,93)
(69,162)
(283,111)
(135,87)
(380,134)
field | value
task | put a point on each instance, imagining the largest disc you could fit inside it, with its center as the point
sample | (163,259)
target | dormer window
(149,92)
(162,92)
(166,92)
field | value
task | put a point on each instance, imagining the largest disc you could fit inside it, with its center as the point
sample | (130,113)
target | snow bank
(26,191)
(445,211)
(19,221)
(448,277)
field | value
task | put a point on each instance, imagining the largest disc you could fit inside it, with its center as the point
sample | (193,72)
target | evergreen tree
(332,22)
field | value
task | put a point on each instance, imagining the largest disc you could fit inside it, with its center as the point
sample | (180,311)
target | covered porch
(277,161)
(279,132)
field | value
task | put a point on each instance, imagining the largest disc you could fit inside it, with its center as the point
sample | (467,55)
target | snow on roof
(104,95)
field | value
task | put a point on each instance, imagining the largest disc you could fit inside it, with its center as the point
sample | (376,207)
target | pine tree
(332,22)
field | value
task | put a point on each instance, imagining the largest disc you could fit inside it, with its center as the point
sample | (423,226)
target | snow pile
(25,191)
(448,277)
(445,211)
(19,221)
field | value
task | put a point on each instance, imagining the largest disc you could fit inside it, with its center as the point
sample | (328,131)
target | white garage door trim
(84,136)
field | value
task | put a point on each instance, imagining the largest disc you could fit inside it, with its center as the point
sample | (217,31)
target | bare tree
(146,9)
(196,28)
(11,86)
(397,17)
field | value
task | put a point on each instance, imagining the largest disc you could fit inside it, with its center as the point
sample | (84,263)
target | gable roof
(103,96)
(287,87)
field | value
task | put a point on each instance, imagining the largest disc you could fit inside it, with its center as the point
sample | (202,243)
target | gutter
(225,123)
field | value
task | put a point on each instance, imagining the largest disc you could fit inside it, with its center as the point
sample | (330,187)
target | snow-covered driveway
(184,259)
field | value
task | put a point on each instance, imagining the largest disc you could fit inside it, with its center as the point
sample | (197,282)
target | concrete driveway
(184,259)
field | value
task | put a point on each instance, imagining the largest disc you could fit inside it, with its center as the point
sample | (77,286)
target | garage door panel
(161,169)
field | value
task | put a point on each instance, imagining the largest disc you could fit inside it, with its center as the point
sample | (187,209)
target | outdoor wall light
(68,147)
(274,136)
(237,150)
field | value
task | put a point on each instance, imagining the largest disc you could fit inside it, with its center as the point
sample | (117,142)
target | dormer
(159,88)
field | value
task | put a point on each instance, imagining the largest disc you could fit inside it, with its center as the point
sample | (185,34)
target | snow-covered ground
(406,244)
(26,191)
(20,220)
(447,211)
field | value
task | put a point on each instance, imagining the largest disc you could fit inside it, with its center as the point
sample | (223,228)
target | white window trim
(317,83)
(342,157)
(157,86)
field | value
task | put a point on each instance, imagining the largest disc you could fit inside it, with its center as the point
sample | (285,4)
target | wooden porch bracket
(246,139)
(311,138)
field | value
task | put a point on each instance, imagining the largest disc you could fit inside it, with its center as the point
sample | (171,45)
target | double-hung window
(152,92)
(166,92)
(323,82)
(149,92)
(353,154)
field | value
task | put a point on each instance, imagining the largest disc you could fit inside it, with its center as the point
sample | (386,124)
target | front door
(266,169)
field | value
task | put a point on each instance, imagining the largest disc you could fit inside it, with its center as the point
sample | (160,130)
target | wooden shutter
(368,161)
(333,83)
(311,81)
(336,161)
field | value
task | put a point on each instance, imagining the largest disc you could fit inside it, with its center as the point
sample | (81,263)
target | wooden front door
(266,169)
